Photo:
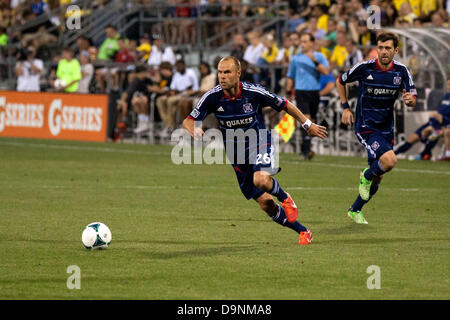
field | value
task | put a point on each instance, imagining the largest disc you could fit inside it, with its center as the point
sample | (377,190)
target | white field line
(227,187)
(349,166)
(114,150)
(78,148)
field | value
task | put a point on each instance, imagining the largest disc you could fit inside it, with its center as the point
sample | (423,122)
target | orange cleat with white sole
(305,237)
(290,209)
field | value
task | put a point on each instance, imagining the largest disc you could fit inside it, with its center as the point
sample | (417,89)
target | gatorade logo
(73,118)
(20,115)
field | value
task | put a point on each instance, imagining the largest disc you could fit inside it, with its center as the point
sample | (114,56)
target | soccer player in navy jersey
(380,81)
(429,132)
(238,105)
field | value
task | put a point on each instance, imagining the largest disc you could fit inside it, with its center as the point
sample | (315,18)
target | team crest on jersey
(247,107)
(397,79)
(195,113)
(375,145)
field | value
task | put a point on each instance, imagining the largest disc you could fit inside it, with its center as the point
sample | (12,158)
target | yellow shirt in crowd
(270,58)
(339,55)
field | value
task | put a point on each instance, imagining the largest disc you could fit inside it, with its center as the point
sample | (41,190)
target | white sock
(447,153)
(143,117)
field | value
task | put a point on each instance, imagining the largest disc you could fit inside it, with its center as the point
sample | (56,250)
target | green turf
(186,232)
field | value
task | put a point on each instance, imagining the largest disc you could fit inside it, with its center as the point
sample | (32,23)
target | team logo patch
(195,113)
(344,76)
(397,80)
(375,145)
(247,107)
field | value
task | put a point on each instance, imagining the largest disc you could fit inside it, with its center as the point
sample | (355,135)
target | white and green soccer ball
(96,235)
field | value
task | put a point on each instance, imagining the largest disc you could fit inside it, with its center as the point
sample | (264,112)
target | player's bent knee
(261,181)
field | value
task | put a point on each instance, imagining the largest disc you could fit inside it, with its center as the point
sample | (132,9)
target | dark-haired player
(380,81)
(238,105)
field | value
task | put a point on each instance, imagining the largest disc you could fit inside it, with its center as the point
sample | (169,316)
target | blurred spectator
(390,16)
(255,48)
(320,12)
(161,82)
(83,44)
(268,57)
(311,27)
(406,12)
(328,41)
(354,54)
(187,32)
(438,21)
(28,70)
(87,72)
(160,52)
(38,7)
(295,45)
(109,46)
(68,72)
(339,54)
(184,84)
(245,75)
(327,84)
(123,56)
(144,48)
(283,53)
(357,9)
(207,82)
(137,95)
(3,37)
(366,36)
(338,10)
(107,52)
(238,47)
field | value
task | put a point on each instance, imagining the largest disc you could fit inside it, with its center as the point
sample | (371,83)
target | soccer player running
(380,81)
(238,105)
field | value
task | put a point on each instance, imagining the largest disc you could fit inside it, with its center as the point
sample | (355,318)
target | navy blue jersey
(241,112)
(377,92)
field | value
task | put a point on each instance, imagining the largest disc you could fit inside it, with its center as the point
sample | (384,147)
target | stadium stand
(195,31)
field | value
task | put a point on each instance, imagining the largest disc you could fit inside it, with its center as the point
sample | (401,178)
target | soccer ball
(96,235)
(59,83)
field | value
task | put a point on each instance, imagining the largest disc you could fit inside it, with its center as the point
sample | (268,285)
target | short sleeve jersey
(377,92)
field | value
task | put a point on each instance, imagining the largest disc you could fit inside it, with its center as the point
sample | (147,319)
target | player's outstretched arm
(312,129)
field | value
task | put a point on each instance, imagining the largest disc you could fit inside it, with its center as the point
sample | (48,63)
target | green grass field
(186,232)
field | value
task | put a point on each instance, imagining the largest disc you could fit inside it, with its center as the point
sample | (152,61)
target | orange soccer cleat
(290,209)
(305,237)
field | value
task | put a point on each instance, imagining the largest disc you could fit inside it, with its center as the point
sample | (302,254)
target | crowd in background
(138,68)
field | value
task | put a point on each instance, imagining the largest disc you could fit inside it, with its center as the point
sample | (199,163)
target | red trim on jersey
(190,117)
(377,66)
(225,96)
(237,169)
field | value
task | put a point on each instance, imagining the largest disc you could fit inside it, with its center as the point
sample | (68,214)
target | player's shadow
(200,252)
(351,227)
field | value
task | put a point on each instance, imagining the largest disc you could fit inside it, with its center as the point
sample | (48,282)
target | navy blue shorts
(419,131)
(244,172)
(376,143)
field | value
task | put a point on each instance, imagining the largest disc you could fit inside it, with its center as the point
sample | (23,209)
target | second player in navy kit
(238,107)
(380,81)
